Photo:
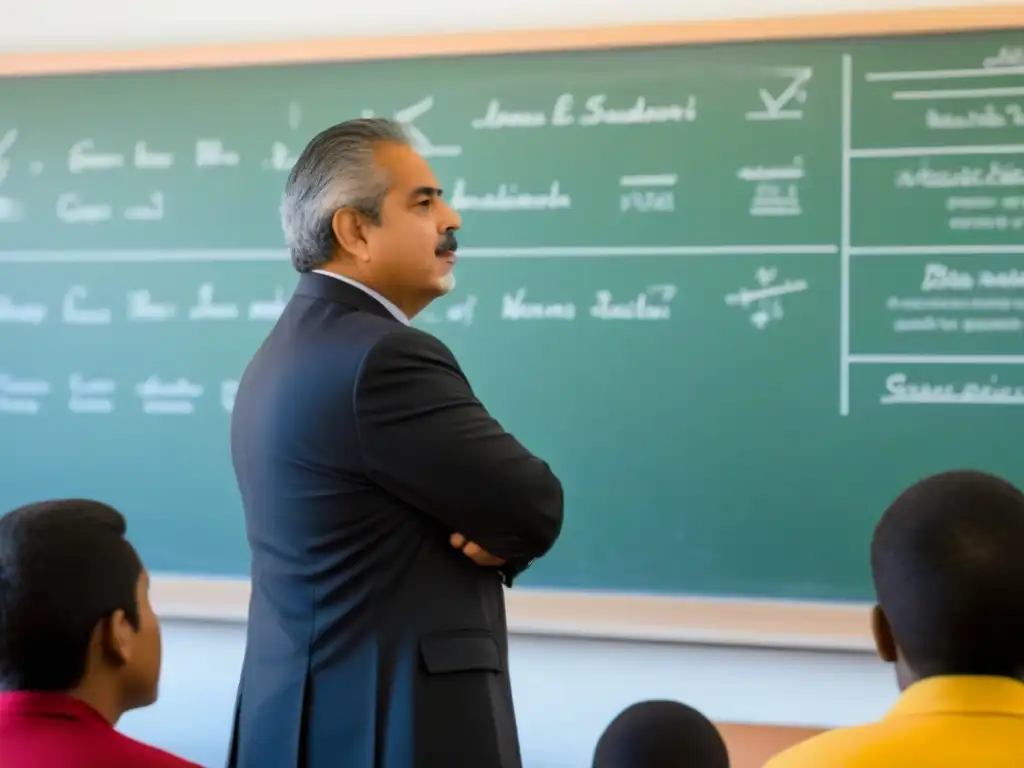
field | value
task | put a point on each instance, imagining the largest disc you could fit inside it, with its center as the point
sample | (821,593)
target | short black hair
(65,565)
(661,734)
(948,564)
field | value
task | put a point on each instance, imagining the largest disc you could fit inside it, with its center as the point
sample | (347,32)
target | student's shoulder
(840,748)
(139,755)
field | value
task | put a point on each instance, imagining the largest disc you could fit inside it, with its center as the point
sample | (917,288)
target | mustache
(448,243)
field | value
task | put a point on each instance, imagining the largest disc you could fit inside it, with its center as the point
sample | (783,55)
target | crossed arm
(428,440)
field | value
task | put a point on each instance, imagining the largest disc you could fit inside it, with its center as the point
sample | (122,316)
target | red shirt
(53,730)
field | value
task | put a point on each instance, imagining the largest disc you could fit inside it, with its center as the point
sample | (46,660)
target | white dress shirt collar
(389,306)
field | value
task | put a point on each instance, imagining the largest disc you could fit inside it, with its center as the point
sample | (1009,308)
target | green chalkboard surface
(738,295)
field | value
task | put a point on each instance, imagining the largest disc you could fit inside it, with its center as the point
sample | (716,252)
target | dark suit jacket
(54,730)
(359,448)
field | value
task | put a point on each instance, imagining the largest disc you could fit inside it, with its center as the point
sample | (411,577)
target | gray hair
(336,170)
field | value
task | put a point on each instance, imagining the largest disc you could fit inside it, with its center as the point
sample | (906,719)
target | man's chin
(446,284)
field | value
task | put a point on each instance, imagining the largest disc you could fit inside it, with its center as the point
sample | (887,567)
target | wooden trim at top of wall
(779,624)
(978,17)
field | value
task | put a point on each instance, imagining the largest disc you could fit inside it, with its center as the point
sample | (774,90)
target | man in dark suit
(385,508)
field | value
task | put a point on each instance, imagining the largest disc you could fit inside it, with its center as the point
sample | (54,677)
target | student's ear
(117,637)
(885,643)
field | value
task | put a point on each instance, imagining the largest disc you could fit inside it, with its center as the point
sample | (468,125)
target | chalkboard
(738,295)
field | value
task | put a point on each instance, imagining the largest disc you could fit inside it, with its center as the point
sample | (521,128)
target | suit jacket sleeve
(428,440)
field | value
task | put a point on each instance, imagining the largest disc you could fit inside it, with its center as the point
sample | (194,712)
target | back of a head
(64,566)
(660,734)
(949,573)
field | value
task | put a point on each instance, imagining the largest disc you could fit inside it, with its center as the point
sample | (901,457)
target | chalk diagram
(788,104)
(407,115)
(764,302)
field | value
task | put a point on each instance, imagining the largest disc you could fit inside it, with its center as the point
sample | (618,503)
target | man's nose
(450,219)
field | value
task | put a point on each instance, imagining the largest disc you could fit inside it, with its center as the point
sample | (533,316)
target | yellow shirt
(940,722)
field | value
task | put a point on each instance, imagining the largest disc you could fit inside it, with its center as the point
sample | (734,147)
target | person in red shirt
(79,641)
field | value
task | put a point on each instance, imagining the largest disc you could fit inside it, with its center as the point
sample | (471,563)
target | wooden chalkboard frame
(707,621)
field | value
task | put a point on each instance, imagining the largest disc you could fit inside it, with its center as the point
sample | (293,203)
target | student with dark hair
(660,734)
(948,565)
(79,642)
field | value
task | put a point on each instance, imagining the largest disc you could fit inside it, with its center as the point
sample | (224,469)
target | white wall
(566,690)
(75,24)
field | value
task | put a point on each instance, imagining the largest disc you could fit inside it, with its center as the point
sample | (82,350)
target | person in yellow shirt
(947,559)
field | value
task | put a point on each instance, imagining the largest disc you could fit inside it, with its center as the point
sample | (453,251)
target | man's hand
(473,551)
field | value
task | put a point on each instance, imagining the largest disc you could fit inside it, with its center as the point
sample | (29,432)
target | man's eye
(426,203)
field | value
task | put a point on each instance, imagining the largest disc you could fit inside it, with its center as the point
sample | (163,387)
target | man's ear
(885,643)
(350,230)
(116,638)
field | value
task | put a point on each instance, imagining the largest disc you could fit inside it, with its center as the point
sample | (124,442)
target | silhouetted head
(361,201)
(75,615)
(948,565)
(660,734)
